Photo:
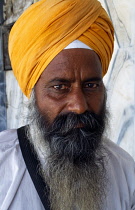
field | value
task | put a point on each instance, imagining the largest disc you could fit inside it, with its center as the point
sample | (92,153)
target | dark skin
(72,82)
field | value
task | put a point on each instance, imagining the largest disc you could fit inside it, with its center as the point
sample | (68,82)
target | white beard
(71,187)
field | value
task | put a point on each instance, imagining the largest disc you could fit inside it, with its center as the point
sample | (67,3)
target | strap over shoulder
(32,164)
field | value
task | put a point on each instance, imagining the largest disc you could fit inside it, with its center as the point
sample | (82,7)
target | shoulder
(8,138)
(121,169)
(120,162)
(12,167)
(8,135)
(116,152)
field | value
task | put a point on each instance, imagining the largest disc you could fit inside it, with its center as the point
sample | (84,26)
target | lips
(79,125)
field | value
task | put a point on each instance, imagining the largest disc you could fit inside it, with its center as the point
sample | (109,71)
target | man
(62,160)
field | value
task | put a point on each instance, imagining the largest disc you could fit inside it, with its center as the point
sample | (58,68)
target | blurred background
(119,81)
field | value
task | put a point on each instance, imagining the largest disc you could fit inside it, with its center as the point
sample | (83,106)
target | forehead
(74,63)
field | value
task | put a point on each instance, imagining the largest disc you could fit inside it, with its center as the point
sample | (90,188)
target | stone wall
(3,110)
(9,106)
(3,119)
(120,79)
(14,8)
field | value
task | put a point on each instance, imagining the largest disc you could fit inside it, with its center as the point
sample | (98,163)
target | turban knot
(48,26)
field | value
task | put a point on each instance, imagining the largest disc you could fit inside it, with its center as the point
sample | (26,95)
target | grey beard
(76,188)
(72,187)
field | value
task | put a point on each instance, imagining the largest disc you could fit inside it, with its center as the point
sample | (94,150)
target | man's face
(72,82)
(68,121)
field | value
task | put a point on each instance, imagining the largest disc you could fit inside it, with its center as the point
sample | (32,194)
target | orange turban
(47,27)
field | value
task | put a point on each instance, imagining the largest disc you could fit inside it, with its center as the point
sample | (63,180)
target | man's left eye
(91,85)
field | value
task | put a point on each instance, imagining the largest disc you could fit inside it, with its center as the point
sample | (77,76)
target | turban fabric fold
(47,27)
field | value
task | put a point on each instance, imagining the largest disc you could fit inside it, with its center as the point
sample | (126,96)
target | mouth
(80,125)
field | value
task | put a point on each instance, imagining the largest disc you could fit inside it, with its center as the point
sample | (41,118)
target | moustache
(75,137)
(70,123)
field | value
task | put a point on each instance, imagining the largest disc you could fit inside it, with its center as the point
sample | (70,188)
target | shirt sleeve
(11,167)
(133,198)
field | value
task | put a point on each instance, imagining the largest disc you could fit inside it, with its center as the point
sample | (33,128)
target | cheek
(49,107)
(96,102)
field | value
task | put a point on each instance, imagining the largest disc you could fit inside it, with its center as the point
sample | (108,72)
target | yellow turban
(47,27)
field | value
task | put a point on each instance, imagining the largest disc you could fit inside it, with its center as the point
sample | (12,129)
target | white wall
(120,79)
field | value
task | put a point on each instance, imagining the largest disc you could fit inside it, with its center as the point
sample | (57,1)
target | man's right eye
(61,87)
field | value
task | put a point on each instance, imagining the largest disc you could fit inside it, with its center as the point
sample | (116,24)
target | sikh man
(61,160)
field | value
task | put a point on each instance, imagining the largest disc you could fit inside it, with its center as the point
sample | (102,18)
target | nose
(77,102)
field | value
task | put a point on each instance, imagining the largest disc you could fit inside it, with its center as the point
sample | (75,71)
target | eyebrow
(92,79)
(58,79)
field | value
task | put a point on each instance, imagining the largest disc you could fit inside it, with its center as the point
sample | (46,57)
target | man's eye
(91,85)
(60,87)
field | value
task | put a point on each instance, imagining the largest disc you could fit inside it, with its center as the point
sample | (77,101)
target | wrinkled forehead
(74,52)
(74,62)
